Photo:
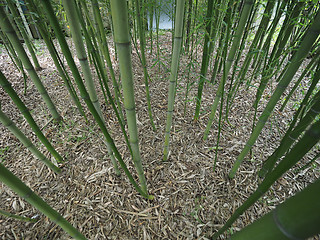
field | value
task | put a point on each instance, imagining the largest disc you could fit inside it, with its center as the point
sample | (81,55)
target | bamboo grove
(285,35)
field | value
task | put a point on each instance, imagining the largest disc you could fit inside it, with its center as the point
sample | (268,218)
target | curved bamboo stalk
(293,134)
(151,16)
(16,185)
(73,17)
(5,84)
(178,28)
(262,57)
(253,48)
(287,28)
(25,23)
(304,74)
(188,26)
(97,61)
(296,218)
(157,18)
(310,139)
(309,38)
(308,164)
(104,83)
(7,122)
(7,28)
(224,79)
(14,58)
(224,14)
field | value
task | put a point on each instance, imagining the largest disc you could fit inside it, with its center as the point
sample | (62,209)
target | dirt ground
(191,200)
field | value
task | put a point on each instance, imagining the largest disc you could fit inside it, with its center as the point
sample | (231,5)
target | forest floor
(191,200)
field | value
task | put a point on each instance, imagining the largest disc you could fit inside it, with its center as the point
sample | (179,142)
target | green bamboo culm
(271,65)
(262,56)
(305,73)
(305,144)
(75,28)
(253,50)
(8,29)
(205,58)
(17,217)
(97,60)
(178,29)
(272,62)
(39,20)
(5,84)
(16,185)
(308,164)
(73,18)
(15,59)
(7,122)
(309,38)
(25,36)
(248,4)
(84,94)
(296,218)
(99,65)
(224,79)
(143,60)
(292,135)
(122,40)
(19,5)
(151,16)
(106,53)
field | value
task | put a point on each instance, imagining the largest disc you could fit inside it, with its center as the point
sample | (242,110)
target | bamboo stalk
(5,84)
(96,59)
(304,74)
(205,58)
(105,50)
(253,47)
(309,38)
(248,4)
(16,185)
(22,30)
(178,28)
(293,133)
(17,217)
(296,218)
(7,28)
(14,58)
(24,20)
(104,85)
(310,138)
(75,29)
(55,57)
(144,61)
(84,94)
(7,122)
(122,39)
(151,16)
